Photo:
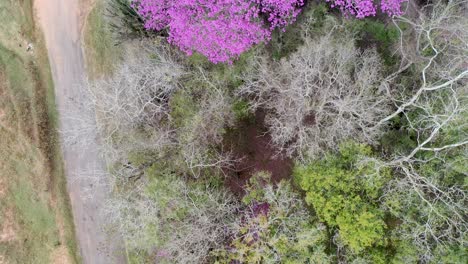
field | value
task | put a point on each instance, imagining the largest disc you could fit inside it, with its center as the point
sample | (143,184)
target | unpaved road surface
(61,22)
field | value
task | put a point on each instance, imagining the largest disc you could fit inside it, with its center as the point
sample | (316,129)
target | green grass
(101,49)
(35,206)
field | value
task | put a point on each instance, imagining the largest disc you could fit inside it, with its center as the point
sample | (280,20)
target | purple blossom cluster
(221,30)
(280,12)
(392,7)
(365,8)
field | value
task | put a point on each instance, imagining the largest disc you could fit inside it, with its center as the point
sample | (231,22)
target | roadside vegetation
(35,219)
(101,51)
(339,138)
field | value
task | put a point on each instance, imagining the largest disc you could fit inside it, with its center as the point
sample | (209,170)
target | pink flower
(219,29)
(365,8)
(392,7)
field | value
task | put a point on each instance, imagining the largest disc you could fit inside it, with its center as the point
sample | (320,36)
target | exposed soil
(3,187)
(60,255)
(251,142)
(2,95)
(8,227)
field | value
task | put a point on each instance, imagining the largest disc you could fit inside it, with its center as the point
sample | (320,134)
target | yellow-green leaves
(360,230)
(343,189)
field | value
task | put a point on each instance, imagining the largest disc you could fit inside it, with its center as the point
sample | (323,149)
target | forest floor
(250,142)
(36,224)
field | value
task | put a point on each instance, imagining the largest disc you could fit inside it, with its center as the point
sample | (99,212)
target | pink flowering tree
(221,30)
(365,8)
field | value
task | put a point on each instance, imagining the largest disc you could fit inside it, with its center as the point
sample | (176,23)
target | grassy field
(36,224)
(101,51)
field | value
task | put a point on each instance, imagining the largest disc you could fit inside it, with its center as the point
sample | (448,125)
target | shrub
(241,110)
(125,22)
(344,193)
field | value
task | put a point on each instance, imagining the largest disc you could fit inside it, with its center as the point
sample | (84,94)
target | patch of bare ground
(3,186)
(8,227)
(60,255)
(2,95)
(251,142)
(3,260)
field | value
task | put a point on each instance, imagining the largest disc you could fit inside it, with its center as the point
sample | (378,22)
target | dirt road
(61,22)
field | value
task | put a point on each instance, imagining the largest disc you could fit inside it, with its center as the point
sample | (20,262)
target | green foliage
(398,141)
(428,52)
(311,20)
(183,107)
(198,60)
(450,254)
(141,158)
(100,46)
(446,170)
(126,23)
(226,76)
(374,32)
(405,252)
(344,193)
(286,42)
(255,189)
(230,76)
(163,188)
(319,13)
(241,110)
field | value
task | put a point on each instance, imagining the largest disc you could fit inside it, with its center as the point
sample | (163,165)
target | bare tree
(131,113)
(174,222)
(201,137)
(128,111)
(137,94)
(435,109)
(324,93)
